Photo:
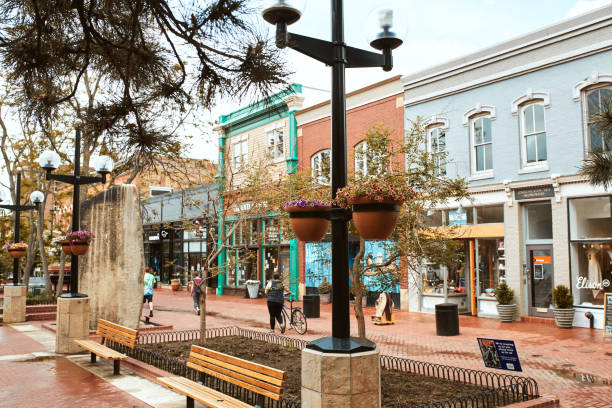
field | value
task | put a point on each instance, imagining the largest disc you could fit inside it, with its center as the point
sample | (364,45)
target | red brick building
(379,103)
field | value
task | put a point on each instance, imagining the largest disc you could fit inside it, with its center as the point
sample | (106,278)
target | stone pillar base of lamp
(14,309)
(341,380)
(72,324)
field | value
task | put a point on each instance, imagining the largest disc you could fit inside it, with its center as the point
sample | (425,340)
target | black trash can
(312,305)
(447,319)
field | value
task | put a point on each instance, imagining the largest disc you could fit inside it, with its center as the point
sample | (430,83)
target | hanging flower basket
(79,242)
(375,204)
(375,220)
(308,219)
(78,248)
(16,250)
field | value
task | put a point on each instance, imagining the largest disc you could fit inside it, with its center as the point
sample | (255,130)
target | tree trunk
(60,279)
(41,247)
(357,278)
(32,245)
(203,313)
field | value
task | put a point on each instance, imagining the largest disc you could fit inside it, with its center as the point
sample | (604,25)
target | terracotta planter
(175,284)
(564,318)
(375,220)
(66,247)
(325,298)
(16,253)
(506,312)
(78,248)
(308,228)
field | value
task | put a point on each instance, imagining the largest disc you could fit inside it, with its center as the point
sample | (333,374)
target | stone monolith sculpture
(111,272)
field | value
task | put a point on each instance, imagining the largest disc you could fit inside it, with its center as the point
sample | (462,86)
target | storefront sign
(164,234)
(534,192)
(456,217)
(584,283)
(541,260)
(500,354)
(608,314)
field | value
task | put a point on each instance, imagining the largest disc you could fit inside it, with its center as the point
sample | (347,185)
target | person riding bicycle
(275,291)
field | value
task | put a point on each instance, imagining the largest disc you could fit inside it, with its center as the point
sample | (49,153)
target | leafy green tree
(598,165)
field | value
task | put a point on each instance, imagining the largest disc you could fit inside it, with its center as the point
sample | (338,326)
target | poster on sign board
(499,354)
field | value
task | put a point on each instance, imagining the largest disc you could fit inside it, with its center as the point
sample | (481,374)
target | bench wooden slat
(121,329)
(118,332)
(205,395)
(235,381)
(252,377)
(272,372)
(100,350)
(131,343)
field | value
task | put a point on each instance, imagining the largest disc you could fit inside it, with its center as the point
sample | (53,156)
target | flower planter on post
(16,253)
(66,247)
(375,220)
(79,248)
(309,219)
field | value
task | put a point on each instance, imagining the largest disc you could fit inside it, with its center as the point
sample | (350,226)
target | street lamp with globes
(36,198)
(339,56)
(50,161)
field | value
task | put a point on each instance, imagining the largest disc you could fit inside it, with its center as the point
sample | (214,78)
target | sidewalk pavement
(32,375)
(575,364)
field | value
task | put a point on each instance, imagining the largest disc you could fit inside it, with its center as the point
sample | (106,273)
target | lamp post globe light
(50,161)
(36,198)
(339,56)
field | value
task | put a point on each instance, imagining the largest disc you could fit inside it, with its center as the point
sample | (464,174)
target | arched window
(436,146)
(320,163)
(533,134)
(361,160)
(369,162)
(596,100)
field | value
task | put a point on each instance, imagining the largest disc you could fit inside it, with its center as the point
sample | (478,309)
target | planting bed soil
(399,389)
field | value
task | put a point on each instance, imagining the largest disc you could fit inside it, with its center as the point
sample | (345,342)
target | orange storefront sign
(541,260)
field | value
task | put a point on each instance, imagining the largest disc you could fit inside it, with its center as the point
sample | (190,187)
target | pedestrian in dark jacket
(275,291)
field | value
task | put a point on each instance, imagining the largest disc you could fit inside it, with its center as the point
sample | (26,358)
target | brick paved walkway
(30,376)
(575,365)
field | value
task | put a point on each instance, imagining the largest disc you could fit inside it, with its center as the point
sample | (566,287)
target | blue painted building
(515,120)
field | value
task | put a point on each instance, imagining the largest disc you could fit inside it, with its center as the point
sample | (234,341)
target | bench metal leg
(116,367)
(93,358)
(189,402)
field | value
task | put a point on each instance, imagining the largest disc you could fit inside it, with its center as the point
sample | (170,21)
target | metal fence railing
(498,389)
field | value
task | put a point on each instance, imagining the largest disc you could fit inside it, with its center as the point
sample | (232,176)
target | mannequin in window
(594,269)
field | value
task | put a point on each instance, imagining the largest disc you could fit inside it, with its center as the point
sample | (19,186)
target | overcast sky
(435,31)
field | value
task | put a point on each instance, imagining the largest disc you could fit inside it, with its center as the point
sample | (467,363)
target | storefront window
(539,220)
(490,214)
(254,232)
(271,231)
(433,279)
(590,249)
(230,268)
(489,266)
(434,218)
(434,274)
(270,262)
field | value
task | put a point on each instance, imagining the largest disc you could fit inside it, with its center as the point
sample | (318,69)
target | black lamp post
(37,198)
(339,56)
(49,161)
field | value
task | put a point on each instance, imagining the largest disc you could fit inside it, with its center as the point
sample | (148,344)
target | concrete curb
(545,401)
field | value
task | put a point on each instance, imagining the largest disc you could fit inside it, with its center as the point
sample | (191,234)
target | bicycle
(298,319)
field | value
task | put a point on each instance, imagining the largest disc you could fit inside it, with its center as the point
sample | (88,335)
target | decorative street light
(339,56)
(36,198)
(50,160)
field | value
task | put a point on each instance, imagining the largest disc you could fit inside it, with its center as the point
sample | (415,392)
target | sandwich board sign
(499,354)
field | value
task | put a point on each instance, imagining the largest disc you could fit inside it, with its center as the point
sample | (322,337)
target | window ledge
(481,176)
(534,169)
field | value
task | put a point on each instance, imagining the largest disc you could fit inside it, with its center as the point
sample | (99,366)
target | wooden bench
(264,381)
(113,332)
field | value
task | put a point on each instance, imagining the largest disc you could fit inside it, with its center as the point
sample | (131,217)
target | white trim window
(595,100)
(320,163)
(482,145)
(436,146)
(240,153)
(276,144)
(368,162)
(533,134)
(361,160)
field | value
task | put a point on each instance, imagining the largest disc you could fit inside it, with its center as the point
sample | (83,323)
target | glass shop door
(540,280)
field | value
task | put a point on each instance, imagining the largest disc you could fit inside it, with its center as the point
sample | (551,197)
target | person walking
(149,280)
(196,291)
(275,291)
